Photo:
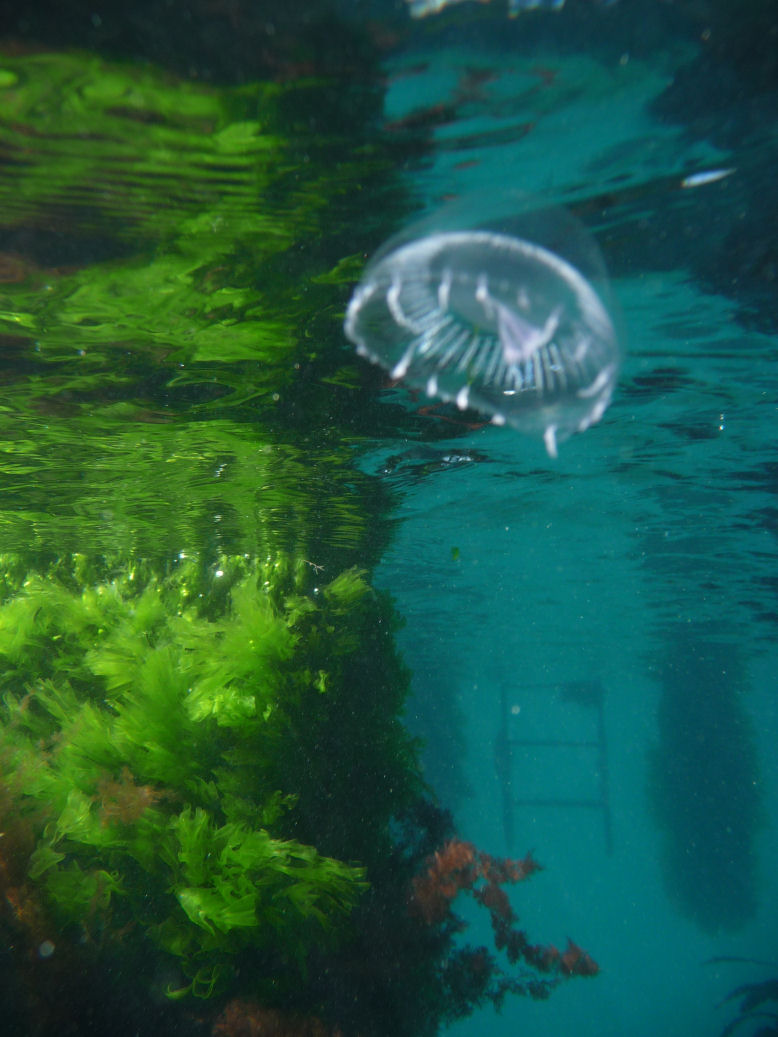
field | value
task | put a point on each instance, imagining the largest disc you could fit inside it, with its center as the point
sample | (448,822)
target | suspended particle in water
(495,320)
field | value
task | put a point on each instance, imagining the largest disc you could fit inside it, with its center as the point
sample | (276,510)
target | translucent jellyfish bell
(493,317)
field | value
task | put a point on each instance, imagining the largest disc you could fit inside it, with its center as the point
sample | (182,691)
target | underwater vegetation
(180,259)
(246,1019)
(414,974)
(758,1003)
(459,867)
(758,1007)
(213,816)
(152,751)
(207,792)
(171,303)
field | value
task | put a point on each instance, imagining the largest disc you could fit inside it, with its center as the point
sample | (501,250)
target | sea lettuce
(151,740)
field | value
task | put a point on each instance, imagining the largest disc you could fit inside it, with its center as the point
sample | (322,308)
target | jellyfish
(494,318)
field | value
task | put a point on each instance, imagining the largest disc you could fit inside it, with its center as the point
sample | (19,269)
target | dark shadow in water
(726,95)
(224,41)
(704,780)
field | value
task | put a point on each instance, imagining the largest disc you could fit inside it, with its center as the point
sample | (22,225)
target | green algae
(200,734)
(134,479)
(206,784)
(171,301)
(73,119)
(152,737)
(169,222)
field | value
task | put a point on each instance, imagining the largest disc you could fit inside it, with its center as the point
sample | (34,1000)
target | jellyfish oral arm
(520,339)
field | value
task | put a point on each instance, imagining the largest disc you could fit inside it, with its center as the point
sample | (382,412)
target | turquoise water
(650,538)
(592,638)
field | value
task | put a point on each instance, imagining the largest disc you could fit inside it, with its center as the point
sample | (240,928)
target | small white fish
(709,176)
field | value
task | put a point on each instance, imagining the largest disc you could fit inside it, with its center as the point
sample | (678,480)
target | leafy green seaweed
(151,737)
(202,759)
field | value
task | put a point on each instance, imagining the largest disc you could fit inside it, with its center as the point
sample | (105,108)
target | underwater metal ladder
(589,694)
